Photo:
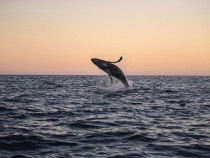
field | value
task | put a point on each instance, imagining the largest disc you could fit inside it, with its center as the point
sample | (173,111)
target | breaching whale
(111,69)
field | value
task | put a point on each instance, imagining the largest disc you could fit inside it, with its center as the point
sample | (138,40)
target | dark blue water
(82,116)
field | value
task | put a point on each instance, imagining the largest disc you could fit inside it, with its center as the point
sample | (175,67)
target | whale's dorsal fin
(118,60)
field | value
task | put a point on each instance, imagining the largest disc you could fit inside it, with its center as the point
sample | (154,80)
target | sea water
(86,116)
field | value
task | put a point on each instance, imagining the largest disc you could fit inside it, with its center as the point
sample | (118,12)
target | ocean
(86,116)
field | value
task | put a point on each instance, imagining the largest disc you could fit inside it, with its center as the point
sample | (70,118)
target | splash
(117,86)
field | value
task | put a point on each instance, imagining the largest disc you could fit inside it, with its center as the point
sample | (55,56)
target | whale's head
(100,63)
(95,61)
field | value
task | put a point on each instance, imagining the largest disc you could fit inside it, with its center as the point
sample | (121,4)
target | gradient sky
(155,37)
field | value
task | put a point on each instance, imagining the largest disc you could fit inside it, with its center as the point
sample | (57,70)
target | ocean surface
(86,116)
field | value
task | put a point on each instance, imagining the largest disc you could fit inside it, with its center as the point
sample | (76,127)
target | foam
(115,87)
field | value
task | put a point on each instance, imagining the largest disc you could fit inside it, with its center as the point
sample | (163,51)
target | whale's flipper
(111,78)
(118,60)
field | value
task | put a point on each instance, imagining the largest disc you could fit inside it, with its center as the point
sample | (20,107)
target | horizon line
(105,75)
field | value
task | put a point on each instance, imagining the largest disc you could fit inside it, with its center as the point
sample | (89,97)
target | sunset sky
(155,37)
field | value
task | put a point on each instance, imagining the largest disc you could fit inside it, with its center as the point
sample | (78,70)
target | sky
(155,37)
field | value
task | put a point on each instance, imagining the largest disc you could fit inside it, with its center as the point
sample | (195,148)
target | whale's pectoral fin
(117,60)
(111,79)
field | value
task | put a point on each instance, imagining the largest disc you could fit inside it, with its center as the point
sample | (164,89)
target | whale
(111,69)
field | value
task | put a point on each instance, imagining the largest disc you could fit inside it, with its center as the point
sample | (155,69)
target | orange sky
(155,37)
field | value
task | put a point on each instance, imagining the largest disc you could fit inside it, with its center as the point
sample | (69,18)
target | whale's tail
(118,60)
